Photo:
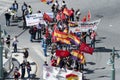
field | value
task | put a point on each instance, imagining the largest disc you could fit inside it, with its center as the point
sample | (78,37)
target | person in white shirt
(15,41)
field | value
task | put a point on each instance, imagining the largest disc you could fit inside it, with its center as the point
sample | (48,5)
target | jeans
(93,43)
(15,47)
(7,22)
(28,71)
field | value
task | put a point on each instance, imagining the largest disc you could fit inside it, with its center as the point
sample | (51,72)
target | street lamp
(112,62)
(1,57)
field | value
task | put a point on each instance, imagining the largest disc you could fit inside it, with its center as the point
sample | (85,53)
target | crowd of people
(44,33)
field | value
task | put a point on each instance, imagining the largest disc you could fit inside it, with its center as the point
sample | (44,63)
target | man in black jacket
(7,17)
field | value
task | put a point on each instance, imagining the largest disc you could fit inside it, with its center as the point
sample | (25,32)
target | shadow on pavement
(87,71)
(91,63)
(102,49)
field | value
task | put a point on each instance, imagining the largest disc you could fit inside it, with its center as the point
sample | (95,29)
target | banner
(34,19)
(52,73)
(85,26)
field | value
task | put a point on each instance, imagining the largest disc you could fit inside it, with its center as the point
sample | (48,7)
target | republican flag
(86,48)
(63,40)
(77,55)
(65,30)
(60,34)
(89,16)
(47,1)
(53,37)
(47,17)
(72,77)
(74,38)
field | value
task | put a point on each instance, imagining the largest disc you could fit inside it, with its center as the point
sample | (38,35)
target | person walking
(15,41)
(8,41)
(26,54)
(22,65)
(93,37)
(23,8)
(7,17)
(30,9)
(14,9)
(78,13)
(28,68)
(31,31)
(39,28)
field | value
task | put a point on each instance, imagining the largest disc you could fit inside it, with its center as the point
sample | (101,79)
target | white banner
(52,73)
(85,26)
(34,19)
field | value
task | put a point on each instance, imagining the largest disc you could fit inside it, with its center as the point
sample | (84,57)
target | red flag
(62,53)
(47,17)
(84,19)
(86,48)
(63,16)
(66,12)
(89,15)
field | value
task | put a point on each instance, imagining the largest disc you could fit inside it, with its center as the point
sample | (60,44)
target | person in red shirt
(53,62)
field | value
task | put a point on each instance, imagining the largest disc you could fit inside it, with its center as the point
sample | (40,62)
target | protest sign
(34,19)
(85,26)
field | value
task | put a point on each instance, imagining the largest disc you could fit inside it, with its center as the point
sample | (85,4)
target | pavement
(4,4)
(17,59)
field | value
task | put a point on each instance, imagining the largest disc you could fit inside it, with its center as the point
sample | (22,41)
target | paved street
(108,35)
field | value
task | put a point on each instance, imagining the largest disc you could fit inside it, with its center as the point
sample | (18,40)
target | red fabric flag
(63,16)
(62,53)
(66,12)
(89,15)
(47,17)
(86,48)
(84,19)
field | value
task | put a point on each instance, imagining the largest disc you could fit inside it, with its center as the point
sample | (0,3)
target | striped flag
(47,1)
(72,77)
(74,38)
